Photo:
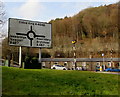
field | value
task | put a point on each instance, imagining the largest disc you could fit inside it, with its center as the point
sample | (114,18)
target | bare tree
(3,19)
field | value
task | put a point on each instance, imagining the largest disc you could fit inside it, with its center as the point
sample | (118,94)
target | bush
(32,63)
(45,55)
(35,60)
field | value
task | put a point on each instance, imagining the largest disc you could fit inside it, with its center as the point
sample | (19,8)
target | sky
(46,10)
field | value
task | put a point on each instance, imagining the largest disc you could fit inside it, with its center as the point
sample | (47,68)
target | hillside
(94,28)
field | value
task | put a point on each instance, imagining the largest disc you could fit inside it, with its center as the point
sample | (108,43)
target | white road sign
(29,33)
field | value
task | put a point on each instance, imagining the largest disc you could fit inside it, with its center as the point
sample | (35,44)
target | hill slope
(95,29)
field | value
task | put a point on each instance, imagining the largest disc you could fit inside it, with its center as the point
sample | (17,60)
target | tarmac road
(109,72)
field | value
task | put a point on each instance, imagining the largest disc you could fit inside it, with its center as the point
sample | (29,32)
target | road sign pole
(20,56)
(40,56)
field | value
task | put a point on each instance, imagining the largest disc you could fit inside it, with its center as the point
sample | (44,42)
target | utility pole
(74,49)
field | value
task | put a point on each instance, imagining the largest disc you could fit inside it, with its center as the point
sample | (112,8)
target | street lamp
(111,57)
(74,49)
(103,61)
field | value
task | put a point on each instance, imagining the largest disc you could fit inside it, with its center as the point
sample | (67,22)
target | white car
(79,68)
(59,67)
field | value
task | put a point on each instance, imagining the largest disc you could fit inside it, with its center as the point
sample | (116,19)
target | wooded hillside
(95,29)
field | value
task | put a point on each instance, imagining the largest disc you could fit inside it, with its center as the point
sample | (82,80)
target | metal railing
(79,59)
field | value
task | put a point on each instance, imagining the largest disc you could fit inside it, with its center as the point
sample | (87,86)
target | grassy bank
(18,81)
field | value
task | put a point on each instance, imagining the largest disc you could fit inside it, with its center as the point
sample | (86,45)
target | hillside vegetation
(94,28)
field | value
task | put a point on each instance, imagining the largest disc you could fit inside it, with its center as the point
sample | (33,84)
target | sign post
(20,56)
(40,57)
(29,34)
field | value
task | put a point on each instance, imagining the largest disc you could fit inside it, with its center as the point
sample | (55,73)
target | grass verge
(17,81)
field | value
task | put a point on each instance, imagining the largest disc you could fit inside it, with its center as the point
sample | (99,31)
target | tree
(3,19)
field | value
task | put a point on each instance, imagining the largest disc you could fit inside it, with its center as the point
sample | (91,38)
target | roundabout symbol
(31,35)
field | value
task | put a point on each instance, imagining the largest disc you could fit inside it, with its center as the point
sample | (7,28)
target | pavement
(118,73)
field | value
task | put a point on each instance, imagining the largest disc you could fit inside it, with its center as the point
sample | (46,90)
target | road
(118,73)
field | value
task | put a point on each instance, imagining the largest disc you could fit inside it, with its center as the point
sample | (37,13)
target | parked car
(79,68)
(59,67)
(97,68)
(2,62)
(112,70)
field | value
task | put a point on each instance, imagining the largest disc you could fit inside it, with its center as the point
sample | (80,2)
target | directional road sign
(29,33)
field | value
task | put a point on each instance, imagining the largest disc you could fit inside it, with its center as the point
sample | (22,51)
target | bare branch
(3,19)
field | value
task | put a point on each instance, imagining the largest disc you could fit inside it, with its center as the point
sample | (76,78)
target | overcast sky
(46,10)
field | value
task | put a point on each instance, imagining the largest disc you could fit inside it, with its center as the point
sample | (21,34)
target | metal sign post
(29,33)
(40,62)
(20,55)
(40,55)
